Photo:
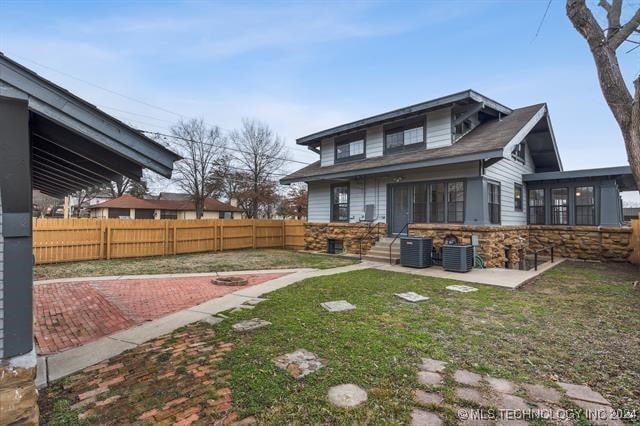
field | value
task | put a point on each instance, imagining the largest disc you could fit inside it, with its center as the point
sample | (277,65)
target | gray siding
(1,284)
(508,172)
(375,141)
(326,152)
(439,128)
(319,202)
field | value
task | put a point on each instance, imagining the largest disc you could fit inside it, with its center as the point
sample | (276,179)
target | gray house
(55,142)
(454,163)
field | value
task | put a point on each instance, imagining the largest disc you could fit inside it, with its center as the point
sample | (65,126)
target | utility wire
(544,16)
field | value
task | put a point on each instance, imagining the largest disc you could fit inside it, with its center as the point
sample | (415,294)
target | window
(168,214)
(455,202)
(536,206)
(225,215)
(494,203)
(518,152)
(585,205)
(115,213)
(559,206)
(437,202)
(420,198)
(517,197)
(350,150)
(340,202)
(410,134)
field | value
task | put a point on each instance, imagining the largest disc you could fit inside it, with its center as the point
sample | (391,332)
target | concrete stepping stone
(427,398)
(347,396)
(299,363)
(461,288)
(250,324)
(254,301)
(583,393)
(469,417)
(429,378)
(467,377)
(472,395)
(542,393)
(410,296)
(432,365)
(337,306)
(510,402)
(212,320)
(501,385)
(424,418)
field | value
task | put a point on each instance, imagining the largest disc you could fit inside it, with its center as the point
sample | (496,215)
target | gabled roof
(486,141)
(460,97)
(130,202)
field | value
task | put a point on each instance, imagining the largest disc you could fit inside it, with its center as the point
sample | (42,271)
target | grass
(578,322)
(203,262)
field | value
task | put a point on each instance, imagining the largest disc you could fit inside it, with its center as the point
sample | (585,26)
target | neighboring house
(135,208)
(456,161)
(631,213)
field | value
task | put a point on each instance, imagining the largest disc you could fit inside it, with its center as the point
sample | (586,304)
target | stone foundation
(499,246)
(317,235)
(583,242)
(572,242)
(18,394)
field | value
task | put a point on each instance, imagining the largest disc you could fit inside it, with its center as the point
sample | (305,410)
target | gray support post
(15,181)
(610,214)
(476,210)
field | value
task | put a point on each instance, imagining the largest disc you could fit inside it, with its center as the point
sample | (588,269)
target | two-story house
(461,164)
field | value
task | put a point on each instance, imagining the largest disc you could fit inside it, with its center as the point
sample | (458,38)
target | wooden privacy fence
(68,240)
(635,241)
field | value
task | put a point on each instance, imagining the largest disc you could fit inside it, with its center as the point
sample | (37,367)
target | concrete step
(383,251)
(381,259)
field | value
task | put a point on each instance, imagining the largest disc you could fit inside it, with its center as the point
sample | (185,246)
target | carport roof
(75,144)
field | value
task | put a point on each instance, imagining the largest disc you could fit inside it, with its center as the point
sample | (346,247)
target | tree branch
(625,31)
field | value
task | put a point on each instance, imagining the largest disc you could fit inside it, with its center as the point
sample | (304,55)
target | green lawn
(578,322)
(203,262)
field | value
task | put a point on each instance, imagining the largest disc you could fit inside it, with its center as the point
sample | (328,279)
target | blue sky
(306,66)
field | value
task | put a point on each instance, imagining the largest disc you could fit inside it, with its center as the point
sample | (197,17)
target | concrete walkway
(64,363)
(507,278)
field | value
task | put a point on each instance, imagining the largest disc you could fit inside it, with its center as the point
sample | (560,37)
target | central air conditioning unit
(415,252)
(456,258)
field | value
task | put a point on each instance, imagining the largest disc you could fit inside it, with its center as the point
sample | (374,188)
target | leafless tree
(604,42)
(260,154)
(202,148)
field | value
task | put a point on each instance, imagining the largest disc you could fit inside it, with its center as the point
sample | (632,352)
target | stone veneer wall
(316,236)
(572,242)
(493,240)
(583,242)
(18,395)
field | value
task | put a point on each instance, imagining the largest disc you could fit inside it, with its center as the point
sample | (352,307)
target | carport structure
(53,141)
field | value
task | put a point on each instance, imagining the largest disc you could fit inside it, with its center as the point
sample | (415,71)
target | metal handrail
(535,256)
(396,237)
(368,234)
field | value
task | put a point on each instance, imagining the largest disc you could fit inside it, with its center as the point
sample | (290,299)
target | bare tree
(604,43)
(260,155)
(202,148)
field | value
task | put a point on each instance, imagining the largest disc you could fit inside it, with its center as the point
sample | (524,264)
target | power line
(544,16)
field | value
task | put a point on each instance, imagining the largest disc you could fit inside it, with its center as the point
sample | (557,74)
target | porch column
(18,396)
(476,210)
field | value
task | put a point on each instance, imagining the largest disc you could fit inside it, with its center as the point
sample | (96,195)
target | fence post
(284,233)
(253,232)
(222,235)
(109,242)
(101,251)
(165,243)
(175,239)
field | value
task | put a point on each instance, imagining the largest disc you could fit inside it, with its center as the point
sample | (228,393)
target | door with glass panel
(400,209)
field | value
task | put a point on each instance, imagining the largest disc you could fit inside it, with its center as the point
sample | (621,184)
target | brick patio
(70,314)
(174,379)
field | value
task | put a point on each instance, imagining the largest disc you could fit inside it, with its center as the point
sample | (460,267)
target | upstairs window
(494,203)
(409,135)
(517,197)
(518,152)
(585,205)
(536,206)
(560,206)
(340,202)
(350,149)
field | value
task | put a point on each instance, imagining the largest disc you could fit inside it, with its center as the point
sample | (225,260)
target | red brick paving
(70,314)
